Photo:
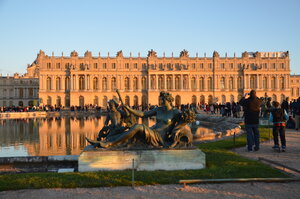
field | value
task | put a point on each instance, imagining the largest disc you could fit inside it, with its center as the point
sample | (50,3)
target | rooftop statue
(170,130)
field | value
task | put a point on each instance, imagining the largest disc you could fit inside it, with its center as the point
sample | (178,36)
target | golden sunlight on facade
(74,80)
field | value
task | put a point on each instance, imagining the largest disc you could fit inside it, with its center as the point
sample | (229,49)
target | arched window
(81,101)
(177,101)
(223,99)
(274,97)
(265,83)
(113,83)
(209,83)
(136,101)
(194,99)
(67,83)
(48,83)
(127,100)
(202,99)
(96,100)
(240,83)
(81,83)
(282,97)
(231,83)
(58,84)
(135,83)
(273,83)
(185,82)
(161,83)
(169,83)
(201,84)
(222,83)
(49,101)
(177,82)
(104,102)
(231,98)
(144,83)
(153,82)
(104,84)
(194,83)
(252,82)
(95,83)
(281,83)
(58,101)
(127,84)
(210,99)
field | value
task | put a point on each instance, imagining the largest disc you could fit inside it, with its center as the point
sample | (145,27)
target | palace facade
(75,80)
(19,90)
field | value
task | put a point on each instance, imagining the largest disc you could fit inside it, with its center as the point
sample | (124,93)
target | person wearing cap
(251,107)
(278,116)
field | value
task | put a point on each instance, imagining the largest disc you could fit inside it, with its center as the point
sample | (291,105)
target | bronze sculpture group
(122,130)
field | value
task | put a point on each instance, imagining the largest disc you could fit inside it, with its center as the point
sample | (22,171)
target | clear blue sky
(138,26)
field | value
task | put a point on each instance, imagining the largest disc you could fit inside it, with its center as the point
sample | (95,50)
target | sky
(227,26)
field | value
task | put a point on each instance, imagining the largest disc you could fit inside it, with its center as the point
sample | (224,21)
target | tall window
(135,65)
(48,65)
(153,82)
(185,82)
(144,83)
(240,83)
(48,83)
(222,65)
(231,83)
(273,83)
(201,84)
(169,83)
(253,82)
(127,65)
(104,83)
(127,84)
(58,84)
(222,83)
(209,83)
(135,83)
(96,100)
(113,83)
(160,82)
(95,65)
(81,83)
(177,82)
(104,66)
(67,83)
(95,83)
(57,65)
(113,65)
(194,83)
(265,83)
(281,83)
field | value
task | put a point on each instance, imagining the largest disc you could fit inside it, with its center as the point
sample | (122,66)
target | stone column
(149,82)
(63,83)
(181,82)
(77,82)
(156,82)
(190,83)
(71,82)
(173,80)
(165,82)
(41,82)
(100,83)
(276,83)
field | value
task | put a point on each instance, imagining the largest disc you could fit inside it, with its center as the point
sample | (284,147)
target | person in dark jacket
(251,107)
(278,116)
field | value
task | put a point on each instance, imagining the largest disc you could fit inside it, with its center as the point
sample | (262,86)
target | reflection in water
(48,136)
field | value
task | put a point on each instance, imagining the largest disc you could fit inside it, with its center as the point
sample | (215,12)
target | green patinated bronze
(170,130)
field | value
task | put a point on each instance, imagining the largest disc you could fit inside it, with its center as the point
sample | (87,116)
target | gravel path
(215,191)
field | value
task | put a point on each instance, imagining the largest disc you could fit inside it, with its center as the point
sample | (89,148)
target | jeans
(281,131)
(252,136)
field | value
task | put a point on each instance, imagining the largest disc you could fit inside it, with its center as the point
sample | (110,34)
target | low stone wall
(20,115)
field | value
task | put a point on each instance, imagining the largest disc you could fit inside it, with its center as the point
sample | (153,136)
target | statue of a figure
(170,131)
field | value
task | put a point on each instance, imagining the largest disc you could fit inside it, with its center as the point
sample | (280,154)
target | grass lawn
(221,163)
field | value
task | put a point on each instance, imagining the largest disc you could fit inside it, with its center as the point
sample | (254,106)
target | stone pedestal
(149,160)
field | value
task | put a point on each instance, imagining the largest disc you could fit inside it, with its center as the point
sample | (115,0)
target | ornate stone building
(84,80)
(20,90)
